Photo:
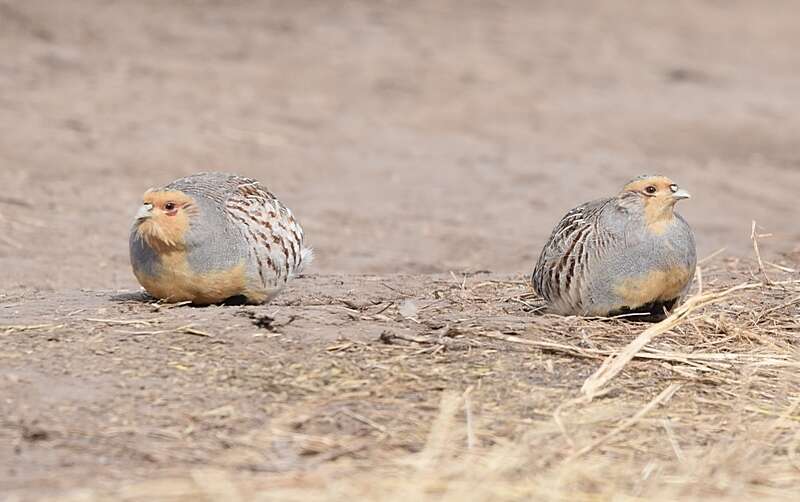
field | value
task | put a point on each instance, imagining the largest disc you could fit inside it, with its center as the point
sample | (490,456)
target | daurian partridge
(629,254)
(211,237)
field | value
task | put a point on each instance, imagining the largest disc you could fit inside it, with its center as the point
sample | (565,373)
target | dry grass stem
(710,257)
(187,329)
(436,444)
(32,327)
(754,237)
(661,398)
(145,322)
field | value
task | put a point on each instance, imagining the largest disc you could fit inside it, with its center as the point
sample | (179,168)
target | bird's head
(163,218)
(656,195)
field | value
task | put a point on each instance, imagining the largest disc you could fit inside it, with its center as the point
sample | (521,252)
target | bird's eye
(169,206)
(651,189)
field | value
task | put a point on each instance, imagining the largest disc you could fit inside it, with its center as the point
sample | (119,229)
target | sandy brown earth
(401,387)
(428,148)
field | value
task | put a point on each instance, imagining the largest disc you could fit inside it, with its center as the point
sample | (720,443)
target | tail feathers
(306,258)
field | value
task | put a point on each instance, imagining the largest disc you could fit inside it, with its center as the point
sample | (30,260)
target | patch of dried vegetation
(702,406)
(470,393)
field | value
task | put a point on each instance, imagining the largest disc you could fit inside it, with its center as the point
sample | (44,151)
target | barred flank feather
(275,238)
(574,243)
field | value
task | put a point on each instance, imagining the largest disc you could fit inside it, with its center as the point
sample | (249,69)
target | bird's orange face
(658,195)
(163,219)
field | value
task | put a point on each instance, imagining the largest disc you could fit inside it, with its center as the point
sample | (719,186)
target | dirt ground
(428,148)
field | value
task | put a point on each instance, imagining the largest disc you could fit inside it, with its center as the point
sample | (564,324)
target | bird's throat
(659,216)
(161,238)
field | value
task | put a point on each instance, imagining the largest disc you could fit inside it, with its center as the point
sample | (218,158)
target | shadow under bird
(629,254)
(212,237)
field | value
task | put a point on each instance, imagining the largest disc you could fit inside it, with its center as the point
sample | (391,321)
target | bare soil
(428,148)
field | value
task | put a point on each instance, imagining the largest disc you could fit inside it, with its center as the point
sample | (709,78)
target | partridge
(212,237)
(629,254)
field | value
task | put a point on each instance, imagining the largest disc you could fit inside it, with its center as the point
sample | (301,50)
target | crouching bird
(212,237)
(629,254)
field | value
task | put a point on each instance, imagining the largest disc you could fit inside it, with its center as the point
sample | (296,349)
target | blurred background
(407,136)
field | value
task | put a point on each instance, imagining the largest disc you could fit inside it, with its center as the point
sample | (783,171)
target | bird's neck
(162,239)
(658,216)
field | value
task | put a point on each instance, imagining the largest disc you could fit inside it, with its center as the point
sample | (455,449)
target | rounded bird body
(626,254)
(211,237)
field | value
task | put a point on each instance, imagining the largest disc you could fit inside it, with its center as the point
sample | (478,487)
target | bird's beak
(681,194)
(144,212)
